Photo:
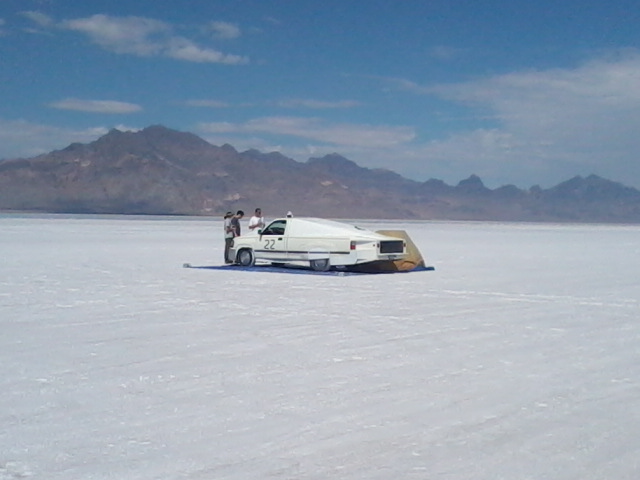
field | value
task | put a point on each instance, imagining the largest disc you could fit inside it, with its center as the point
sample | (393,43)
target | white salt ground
(517,358)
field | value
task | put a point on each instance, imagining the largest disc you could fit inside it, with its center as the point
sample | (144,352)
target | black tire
(246,258)
(320,265)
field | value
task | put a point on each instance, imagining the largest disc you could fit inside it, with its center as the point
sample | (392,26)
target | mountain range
(161,171)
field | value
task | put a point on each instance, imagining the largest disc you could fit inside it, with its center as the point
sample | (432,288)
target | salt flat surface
(517,358)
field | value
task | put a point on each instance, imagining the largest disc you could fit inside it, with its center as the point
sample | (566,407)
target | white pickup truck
(317,243)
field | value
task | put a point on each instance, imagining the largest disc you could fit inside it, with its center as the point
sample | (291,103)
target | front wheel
(246,258)
(320,265)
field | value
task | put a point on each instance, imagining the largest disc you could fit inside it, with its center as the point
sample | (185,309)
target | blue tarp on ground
(296,270)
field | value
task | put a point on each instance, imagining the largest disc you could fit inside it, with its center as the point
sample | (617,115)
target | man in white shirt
(257,221)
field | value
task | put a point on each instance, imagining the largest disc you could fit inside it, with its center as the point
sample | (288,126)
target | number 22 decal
(270,244)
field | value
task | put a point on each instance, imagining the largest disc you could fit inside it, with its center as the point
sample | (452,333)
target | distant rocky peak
(592,188)
(112,135)
(271,158)
(579,183)
(335,163)
(472,184)
(156,129)
(228,148)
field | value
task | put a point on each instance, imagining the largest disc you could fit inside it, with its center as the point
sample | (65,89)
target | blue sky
(516,92)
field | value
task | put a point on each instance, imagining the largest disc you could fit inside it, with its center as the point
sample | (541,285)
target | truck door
(273,242)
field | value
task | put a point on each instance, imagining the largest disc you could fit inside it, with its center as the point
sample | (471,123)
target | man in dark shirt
(235,223)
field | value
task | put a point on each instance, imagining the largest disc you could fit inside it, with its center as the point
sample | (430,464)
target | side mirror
(260,231)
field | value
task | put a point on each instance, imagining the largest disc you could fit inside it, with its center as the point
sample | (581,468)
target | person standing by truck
(228,237)
(257,221)
(235,223)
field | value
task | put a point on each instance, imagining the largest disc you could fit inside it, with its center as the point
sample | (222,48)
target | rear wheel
(246,258)
(320,265)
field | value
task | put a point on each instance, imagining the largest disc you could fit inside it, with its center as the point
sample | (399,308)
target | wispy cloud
(546,124)
(96,106)
(371,136)
(206,103)
(183,49)
(593,97)
(537,127)
(2,24)
(273,20)
(20,138)
(38,18)
(443,52)
(319,104)
(295,103)
(408,85)
(224,30)
(143,36)
(133,35)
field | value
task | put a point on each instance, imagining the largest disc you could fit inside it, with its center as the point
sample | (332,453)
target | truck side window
(276,227)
